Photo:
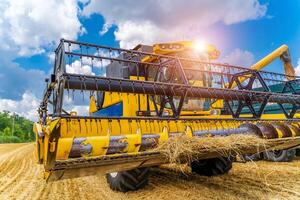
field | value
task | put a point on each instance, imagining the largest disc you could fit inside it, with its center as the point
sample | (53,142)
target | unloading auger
(142,97)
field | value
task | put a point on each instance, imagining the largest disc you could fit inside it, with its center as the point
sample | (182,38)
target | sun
(199,45)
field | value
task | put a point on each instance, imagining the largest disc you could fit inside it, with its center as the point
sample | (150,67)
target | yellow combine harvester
(150,94)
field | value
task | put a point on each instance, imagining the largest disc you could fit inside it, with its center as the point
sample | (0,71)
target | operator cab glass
(196,74)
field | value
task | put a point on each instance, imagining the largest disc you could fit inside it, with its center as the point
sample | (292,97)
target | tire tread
(130,180)
(212,167)
(286,155)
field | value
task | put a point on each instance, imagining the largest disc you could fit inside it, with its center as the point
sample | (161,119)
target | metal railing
(235,85)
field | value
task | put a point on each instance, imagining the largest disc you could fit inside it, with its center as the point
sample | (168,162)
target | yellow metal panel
(294,134)
(37,128)
(189,132)
(130,105)
(94,130)
(63,128)
(46,143)
(218,104)
(51,125)
(93,106)
(99,144)
(111,98)
(164,135)
(52,146)
(269,58)
(134,142)
(173,48)
(273,116)
(63,148)
(131,101)
(280,134)
(41,148)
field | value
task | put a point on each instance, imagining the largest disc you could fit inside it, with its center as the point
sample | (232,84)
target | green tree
(14,128)
(6,131)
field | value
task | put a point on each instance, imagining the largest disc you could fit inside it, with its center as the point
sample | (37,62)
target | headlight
(215,112)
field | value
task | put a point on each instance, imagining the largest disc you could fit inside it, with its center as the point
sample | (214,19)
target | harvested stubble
(183,149)
(22,178)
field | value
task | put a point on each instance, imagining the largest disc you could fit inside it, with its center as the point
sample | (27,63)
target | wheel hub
(113,174)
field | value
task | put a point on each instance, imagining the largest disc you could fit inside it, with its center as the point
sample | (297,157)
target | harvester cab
(141,105)
(142,98)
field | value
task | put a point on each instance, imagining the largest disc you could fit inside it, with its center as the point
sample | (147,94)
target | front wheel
(212,167)
(130,180)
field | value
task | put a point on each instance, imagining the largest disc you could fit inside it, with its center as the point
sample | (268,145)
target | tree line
(14,128)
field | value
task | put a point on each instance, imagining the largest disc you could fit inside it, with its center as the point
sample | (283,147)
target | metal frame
(251,76)
(288,87)
(245,95)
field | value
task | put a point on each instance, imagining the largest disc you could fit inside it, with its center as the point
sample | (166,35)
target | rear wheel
(128,180)
(280,155)
(212,167)
(297,152)
(252,157)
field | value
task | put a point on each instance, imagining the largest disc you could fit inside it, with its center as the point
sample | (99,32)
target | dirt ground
(22,178)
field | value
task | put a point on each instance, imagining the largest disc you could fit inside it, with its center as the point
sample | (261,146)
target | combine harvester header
(151,94)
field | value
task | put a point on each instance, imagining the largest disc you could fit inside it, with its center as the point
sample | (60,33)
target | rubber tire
(251,157)
(212,167)
(297,152)
(284,156)
(130,180)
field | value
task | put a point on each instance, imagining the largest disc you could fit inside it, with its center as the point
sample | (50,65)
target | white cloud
(19,88)
(32,25)
(130,34)
(51,57)
(97,62)
(105,28)
(239,57)
(91,66)
(81,110)
(77,68)
(26,107)
(29,27)
(297,69)
(15,80)
(155,20)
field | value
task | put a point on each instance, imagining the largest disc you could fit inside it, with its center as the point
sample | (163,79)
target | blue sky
(280,25)
(243,31)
